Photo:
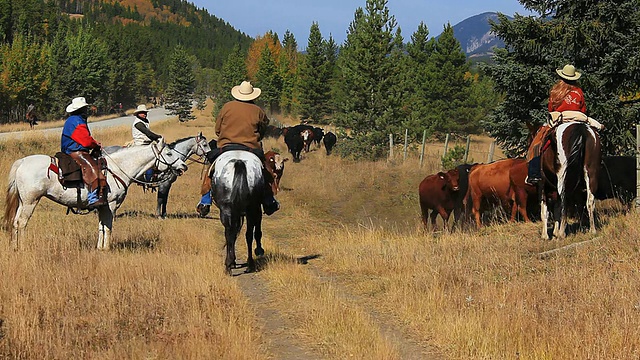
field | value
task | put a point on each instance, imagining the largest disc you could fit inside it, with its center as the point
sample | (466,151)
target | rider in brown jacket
(241,124)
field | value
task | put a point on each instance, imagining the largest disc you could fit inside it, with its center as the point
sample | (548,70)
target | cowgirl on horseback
(241,125)
(566,102)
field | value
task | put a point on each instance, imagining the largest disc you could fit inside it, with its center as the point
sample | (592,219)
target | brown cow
(490,182)
(307,138)
(521,191)
(437,194)
(275,165)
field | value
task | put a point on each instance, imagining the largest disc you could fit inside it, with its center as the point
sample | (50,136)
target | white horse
(238,189)
(30,179)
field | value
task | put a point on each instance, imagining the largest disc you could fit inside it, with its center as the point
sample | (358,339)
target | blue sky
(256,17)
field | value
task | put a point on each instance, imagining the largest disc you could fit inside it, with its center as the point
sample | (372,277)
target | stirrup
(532,181)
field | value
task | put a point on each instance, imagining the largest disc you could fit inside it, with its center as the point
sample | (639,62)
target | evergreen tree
(601,39)
(369,102)
(269,81)
(314,85)
(181,85)
(288,73)
(234,71)
(452,85)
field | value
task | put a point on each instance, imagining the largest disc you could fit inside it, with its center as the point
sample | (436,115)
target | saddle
(69,171)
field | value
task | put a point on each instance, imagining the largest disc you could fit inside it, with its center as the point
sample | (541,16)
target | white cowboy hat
(141,108)
(245,91)
(569,72)
(76,104)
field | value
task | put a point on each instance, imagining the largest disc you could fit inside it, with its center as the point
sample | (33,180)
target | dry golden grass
(370,272)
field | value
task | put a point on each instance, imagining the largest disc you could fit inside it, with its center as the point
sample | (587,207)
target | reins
(159,160)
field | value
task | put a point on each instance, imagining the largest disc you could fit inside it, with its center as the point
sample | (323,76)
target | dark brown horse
(570,168)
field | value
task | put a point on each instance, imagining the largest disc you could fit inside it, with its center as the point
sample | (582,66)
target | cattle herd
(299,138)
(471,190)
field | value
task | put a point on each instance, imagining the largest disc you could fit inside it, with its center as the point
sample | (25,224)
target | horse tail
(240,189)
(12,197)
(577,147)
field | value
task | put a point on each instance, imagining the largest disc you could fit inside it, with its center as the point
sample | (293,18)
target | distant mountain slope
(475,36)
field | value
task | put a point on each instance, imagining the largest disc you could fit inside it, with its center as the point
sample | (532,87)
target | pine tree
(369,102)
(314,85)
(234,71)
(601,39)
(288,73)
(452,85)
(269,81)
(181,85)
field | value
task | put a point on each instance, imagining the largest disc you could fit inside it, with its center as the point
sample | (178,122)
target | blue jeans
(206,199)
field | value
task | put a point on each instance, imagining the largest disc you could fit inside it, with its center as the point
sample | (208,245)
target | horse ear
(161,142)
(200,134)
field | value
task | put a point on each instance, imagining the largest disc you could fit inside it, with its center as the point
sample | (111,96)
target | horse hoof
(259,251)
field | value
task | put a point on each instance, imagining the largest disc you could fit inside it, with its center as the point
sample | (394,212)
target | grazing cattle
(318,134)
(307,138)
(275,165)
(490,182)
(437,194)
(524,195)
(294,143)
(617,179)
(329,141)
(570,166)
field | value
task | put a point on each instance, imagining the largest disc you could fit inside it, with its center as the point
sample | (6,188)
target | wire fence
(477,149)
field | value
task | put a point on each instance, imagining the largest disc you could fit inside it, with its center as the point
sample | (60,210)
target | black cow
(273,132)
(329,141)
(318,134)
(294,142)
(617,179)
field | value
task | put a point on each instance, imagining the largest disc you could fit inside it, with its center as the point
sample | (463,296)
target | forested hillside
(109,52)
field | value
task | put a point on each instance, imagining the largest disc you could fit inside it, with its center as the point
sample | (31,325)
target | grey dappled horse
(238,189)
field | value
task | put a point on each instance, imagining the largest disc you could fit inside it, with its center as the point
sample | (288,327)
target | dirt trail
(284,344)
(276,329)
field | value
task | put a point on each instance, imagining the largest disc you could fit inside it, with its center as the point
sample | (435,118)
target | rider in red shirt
(565,95)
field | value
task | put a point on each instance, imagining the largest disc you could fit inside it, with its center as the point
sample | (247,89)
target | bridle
(160,159)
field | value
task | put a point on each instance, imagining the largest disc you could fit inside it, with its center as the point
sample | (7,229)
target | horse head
(167,158)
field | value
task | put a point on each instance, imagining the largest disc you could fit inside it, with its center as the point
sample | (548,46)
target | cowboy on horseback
(566,103)
(141,133)
(77,142)
(241,125)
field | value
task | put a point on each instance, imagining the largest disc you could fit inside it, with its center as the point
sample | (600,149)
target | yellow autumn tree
(270,39)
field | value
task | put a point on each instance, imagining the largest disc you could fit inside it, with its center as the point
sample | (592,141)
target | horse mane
(173,144)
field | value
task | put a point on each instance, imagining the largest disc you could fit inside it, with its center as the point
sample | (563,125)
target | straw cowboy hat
(76,104)
(568,72)
(141,108)
(245,92)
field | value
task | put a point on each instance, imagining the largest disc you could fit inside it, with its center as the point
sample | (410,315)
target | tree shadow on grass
(181,215)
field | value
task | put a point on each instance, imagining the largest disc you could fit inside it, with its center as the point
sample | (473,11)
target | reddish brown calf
(491,182)
(437,194)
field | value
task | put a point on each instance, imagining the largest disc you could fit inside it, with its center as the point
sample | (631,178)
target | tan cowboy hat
(568,72)
(77,104)
(141,108)
(245,92)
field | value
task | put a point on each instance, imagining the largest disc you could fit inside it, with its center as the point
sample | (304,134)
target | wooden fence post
(390,147)
(466,150)
(492,148)
(424,141)
(446,145)
(637,199)
(406,143)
